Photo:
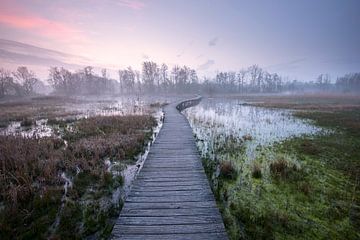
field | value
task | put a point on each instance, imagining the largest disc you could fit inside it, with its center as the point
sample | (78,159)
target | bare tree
(26,79)
(323,81)
(150,74)
(256,74)
(241,80)
(6,81)
(163,76)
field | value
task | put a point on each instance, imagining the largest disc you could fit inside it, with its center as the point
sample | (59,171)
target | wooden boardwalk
(171,197)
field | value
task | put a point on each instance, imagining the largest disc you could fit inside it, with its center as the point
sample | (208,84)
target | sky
(297,39)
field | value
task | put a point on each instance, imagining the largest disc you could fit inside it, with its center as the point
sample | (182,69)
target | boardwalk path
(171,197)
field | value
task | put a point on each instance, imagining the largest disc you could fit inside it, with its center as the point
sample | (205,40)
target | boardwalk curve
(171,197)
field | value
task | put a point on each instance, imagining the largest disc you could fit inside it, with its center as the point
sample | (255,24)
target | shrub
(308,147)
(282,168)
(256,171)
(27,122)
(227,170)
(247,137)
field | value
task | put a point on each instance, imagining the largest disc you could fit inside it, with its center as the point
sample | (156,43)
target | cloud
(133,4)
(18,53)
(213,41)
(206,65)
(40,25)
(15,16)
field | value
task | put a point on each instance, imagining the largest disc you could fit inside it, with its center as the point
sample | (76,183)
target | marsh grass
(228,170)
(282,168)
(309,185)
(32,187)
(256,170)
(35,108)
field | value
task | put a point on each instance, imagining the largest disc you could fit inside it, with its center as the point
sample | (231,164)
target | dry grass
(282,168)
(319,102)
(30,169)
(34,108)
(256,171)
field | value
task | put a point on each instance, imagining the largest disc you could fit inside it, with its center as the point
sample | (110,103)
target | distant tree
(349,83)
(6,82)
(63,81)
(255,77)
(104,73)
(164,79)
(150,75)
(323,81)
(231,81)
(175,75)
(241,77)
(26,79)
(194,80)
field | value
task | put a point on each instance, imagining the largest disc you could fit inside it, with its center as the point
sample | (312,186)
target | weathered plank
(171,197)
(198,236)
(170,229)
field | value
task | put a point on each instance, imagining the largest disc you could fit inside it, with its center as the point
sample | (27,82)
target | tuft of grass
(282,168)
(247,137)
(228,170)
(256,170)
(27,122)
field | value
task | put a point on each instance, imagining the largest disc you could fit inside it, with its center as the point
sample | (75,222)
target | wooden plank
(206,211)
(168,188)
(170,205)
(198,236)
(161,199)
(170,229)
(168,220)
(198,193)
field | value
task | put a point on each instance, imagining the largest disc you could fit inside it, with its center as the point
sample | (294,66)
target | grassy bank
(305,187)
(52,188)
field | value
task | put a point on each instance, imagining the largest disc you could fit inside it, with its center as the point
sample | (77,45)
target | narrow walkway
(171,197)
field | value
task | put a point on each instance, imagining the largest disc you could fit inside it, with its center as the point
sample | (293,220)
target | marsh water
(85,108)
(216,119)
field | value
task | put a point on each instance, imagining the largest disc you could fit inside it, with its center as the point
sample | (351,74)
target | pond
(71,112)
(216,119)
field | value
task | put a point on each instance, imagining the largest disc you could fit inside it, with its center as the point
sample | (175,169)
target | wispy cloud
(290,65)
(21,53)
(206,65)
(213,41)
(133,4)
(40,25)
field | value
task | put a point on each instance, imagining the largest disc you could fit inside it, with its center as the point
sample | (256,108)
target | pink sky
(299,40)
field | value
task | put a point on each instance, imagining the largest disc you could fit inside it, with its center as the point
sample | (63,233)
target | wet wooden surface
(171,197)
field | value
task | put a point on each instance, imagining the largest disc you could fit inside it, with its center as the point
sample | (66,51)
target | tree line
(159,78)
